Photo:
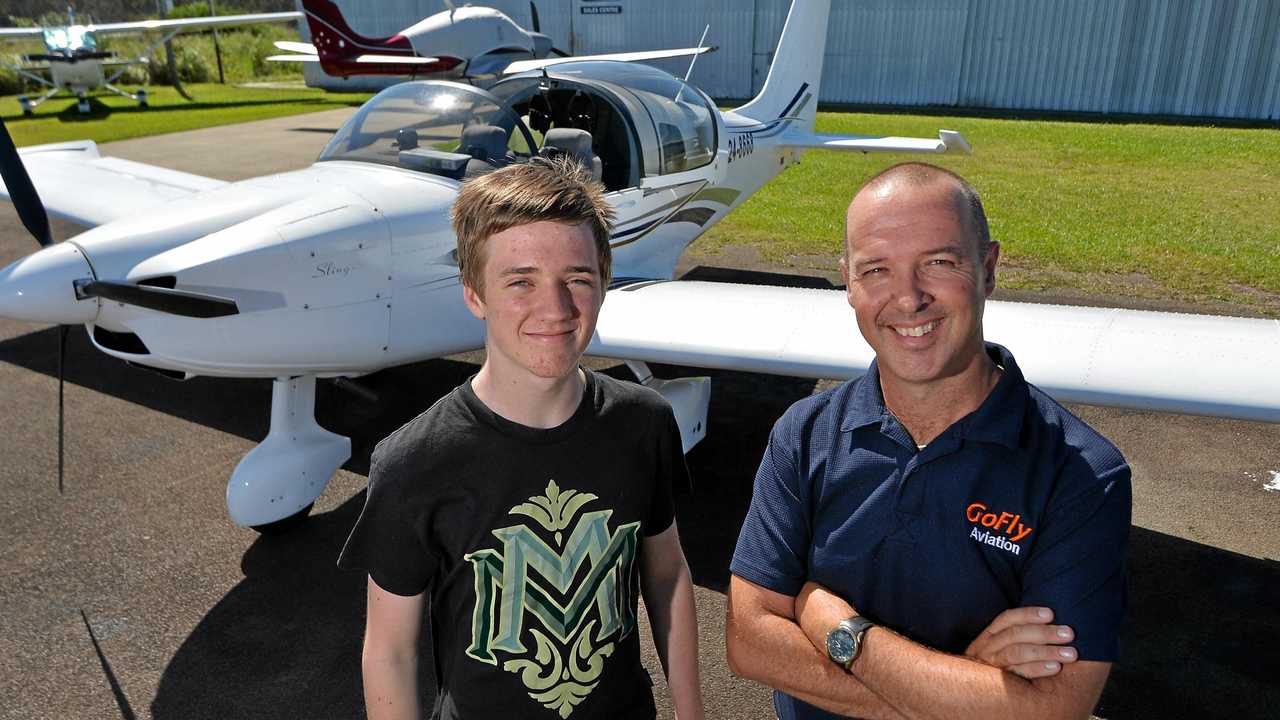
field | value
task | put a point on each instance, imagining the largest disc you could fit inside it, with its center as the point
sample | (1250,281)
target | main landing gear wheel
(285,525)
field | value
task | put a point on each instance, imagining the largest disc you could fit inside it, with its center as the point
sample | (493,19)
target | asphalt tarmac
(130,593)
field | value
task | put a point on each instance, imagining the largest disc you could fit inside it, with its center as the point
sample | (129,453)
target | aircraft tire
(285,525)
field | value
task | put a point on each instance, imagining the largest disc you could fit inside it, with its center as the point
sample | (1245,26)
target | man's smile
(916,330)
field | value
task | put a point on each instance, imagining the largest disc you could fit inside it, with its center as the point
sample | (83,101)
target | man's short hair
(968,204)
(557,190)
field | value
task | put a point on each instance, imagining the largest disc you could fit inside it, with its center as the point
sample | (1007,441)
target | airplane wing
(1223,366)
(203,23)
(298,47)
(397,59)
(77,184)
(947,140)
(520,66)
(20,33)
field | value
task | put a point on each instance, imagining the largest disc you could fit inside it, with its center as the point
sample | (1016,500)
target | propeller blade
(174,302)
(62,356)
(560,52)
(22,191)
(533,12)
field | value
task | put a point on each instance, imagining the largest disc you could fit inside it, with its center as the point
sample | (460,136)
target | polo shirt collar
(998,419)
(865,402)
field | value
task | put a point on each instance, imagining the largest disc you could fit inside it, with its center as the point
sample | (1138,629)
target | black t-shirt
(528,541)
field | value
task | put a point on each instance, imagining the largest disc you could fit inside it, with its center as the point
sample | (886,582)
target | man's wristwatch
(844,641)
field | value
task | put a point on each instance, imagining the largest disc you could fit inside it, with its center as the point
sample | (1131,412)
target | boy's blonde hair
(558,190)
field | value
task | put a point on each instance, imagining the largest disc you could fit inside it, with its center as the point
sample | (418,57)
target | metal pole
(217,49)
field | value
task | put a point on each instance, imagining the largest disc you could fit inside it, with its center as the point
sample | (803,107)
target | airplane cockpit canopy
(624,121)
(437,127)
(70,40)
(641,119)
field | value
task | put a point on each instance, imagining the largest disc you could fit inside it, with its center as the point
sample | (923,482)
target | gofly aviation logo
(1002,530)
(523,581)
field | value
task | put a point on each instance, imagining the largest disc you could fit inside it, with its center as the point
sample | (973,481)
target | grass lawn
(117,118)
(1188,214)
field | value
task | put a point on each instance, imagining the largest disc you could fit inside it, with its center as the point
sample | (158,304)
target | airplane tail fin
(333,37)
(791,89)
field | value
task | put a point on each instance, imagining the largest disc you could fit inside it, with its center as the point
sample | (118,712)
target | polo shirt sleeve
(1078,565)
(773,546)
(386,542)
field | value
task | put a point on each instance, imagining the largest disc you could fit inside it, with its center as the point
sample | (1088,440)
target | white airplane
(461,43)
(348,266)
(76,64)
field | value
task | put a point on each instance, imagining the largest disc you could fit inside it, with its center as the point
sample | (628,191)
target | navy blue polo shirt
(1018,503)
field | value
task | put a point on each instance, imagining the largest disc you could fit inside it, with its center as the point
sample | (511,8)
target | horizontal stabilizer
(396,59)
(298,47)
(293,58)
(79,185)
(1170,362)
(947,141)
(520,66)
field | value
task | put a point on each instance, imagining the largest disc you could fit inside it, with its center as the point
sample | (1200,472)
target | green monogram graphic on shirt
(531,583)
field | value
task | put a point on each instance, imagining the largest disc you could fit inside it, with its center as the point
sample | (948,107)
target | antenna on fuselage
(689,72)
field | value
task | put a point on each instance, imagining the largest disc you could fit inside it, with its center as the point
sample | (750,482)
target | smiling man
(528,505)
(937,538)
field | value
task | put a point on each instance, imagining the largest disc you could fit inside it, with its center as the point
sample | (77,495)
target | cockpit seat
(574,143)
(406,138)
(487,146)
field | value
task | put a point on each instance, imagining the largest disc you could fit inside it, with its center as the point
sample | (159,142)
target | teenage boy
(530,503)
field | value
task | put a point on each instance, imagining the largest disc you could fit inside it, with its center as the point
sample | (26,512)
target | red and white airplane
(470,42)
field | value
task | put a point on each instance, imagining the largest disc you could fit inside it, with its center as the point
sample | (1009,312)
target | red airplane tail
(335,40)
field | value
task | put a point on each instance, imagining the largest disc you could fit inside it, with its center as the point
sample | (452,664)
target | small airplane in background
(349,266)
(461,43)
(75,62)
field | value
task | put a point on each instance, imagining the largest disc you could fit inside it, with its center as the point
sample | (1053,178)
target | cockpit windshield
(442,128)
(70,39)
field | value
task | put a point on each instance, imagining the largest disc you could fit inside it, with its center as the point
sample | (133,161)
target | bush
(197,9)
(191,65)
(11,83)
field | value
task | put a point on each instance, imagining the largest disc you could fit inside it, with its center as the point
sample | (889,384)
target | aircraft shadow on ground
(286,641)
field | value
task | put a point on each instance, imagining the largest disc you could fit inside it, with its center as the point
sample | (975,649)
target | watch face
(840,645)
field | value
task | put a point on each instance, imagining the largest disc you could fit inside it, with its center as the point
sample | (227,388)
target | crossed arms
(1017,667)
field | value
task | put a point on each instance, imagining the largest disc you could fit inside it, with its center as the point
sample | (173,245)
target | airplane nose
(38,288)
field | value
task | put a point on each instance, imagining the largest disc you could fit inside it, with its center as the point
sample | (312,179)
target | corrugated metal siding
(895,52)
(1167,57)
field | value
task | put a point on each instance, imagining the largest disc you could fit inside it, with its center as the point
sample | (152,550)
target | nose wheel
(274,486)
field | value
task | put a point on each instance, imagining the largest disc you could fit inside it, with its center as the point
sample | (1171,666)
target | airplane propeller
(25,200)
(163,299)
(166,300)
(31,210)
(537,27)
